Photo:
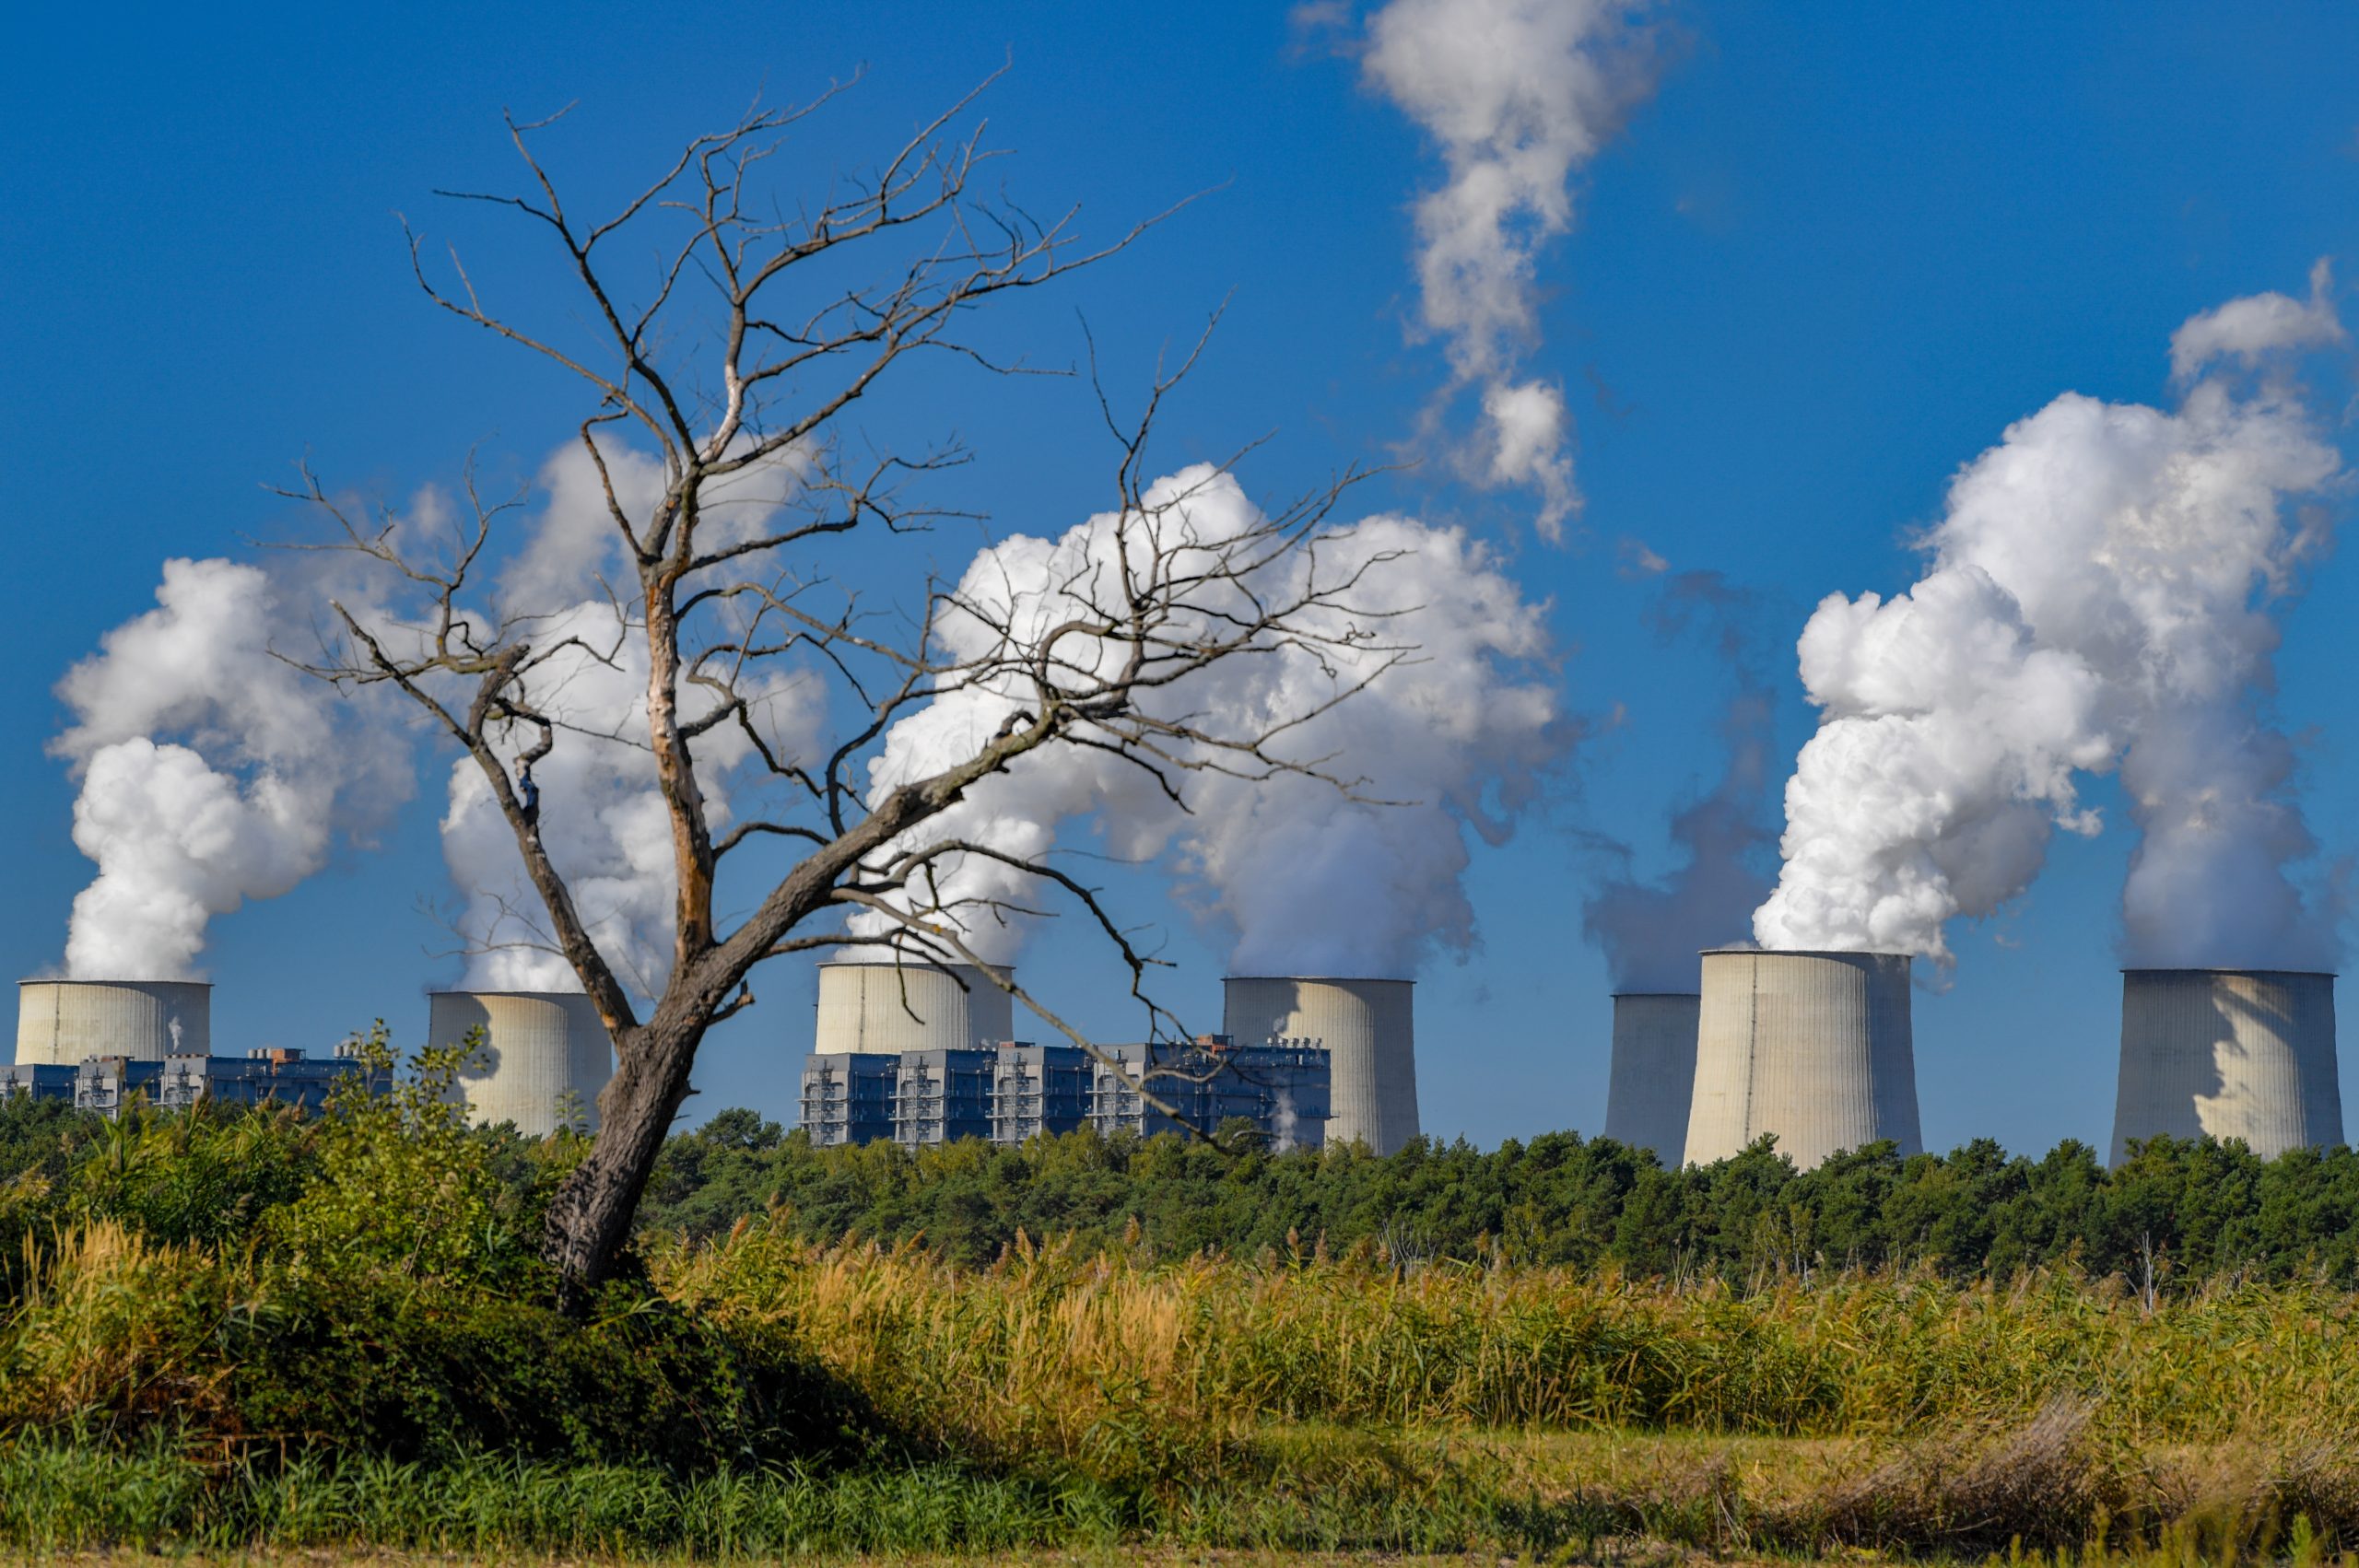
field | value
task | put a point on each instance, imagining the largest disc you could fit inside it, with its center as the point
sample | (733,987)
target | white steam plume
(2097,597)
(1518,94)
(1307,881)
(1652,932)
(574,551)
(602,818)
(601,815)
(211,772)
(1458,738)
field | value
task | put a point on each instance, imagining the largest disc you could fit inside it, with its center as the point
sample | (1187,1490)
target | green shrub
(404,1189)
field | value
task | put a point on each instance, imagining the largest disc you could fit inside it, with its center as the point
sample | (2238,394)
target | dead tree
(742,349)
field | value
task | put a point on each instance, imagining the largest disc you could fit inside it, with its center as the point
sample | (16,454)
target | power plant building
(543,1060)
(103,1083)
(942,1096)
(1813,1047)
(885,1009)
(848,1097)
(269,1076)
(1652,1085)
(60,1022)
(2230,1053)
(1038,1090)
(1019,1091)
(1283,1088)
(38,1081)
(1368,1029)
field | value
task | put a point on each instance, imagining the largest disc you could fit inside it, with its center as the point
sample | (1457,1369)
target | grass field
(1052,1403)
(260,1336)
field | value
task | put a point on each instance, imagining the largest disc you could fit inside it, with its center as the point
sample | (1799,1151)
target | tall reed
(1050,1350)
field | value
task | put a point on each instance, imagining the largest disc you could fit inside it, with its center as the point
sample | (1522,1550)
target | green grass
(66,1496)
(2038,1488)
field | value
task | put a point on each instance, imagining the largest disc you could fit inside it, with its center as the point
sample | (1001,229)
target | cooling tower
(1813,1047)
(545,1056)
(1653,1078)
(893,1007)
(2236,1053)
(1367,1026)
(60,1022)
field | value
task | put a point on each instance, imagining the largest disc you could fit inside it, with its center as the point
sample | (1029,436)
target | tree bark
(589,1220)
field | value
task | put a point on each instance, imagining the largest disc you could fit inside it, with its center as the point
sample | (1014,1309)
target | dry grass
(1049,1353)
(1314,1404)
(109,1321)
(1848,1413)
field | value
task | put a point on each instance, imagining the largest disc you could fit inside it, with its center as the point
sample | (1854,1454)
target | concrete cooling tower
(910,1007)
(545,1059)
(60,1022)
(1814,1046)
(2236,1053)
(1653,1081)
(1368,1026)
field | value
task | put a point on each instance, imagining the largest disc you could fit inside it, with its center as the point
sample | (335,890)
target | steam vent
(545,1056)
(1369,1028)
(891,1007)
(60,1022)
(1653,1079)
(2236,1053)
(1814,1046)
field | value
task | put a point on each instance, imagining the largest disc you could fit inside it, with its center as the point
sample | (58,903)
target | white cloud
(1527,425)
(2257,325)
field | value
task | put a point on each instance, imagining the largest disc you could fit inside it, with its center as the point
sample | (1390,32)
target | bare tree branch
(736,361)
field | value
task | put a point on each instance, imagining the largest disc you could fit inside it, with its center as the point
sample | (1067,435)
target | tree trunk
(590,1219)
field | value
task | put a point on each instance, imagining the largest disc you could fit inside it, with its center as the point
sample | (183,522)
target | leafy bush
(404,1189)
(365,1281)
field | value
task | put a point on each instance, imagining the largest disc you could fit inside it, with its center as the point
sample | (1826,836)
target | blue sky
(1823,267)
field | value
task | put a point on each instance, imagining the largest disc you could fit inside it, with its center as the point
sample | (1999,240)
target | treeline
(2176,1213)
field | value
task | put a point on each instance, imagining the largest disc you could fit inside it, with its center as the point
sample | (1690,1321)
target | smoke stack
(60,1022)
(1369,1028)
(891,1007)
(2235,1053)
(542,1050)
(1653,1081)
(1811,1046)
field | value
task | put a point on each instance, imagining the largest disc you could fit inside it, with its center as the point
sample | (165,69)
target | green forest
(2175,1214)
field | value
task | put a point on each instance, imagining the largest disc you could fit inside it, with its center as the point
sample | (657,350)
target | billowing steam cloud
(1652,932)
(1518,94)
(602,818)
(2097,598)
(211,772)
(1459,737)
(1307,881)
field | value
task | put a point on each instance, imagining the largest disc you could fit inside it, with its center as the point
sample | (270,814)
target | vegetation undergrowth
(232,1331)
